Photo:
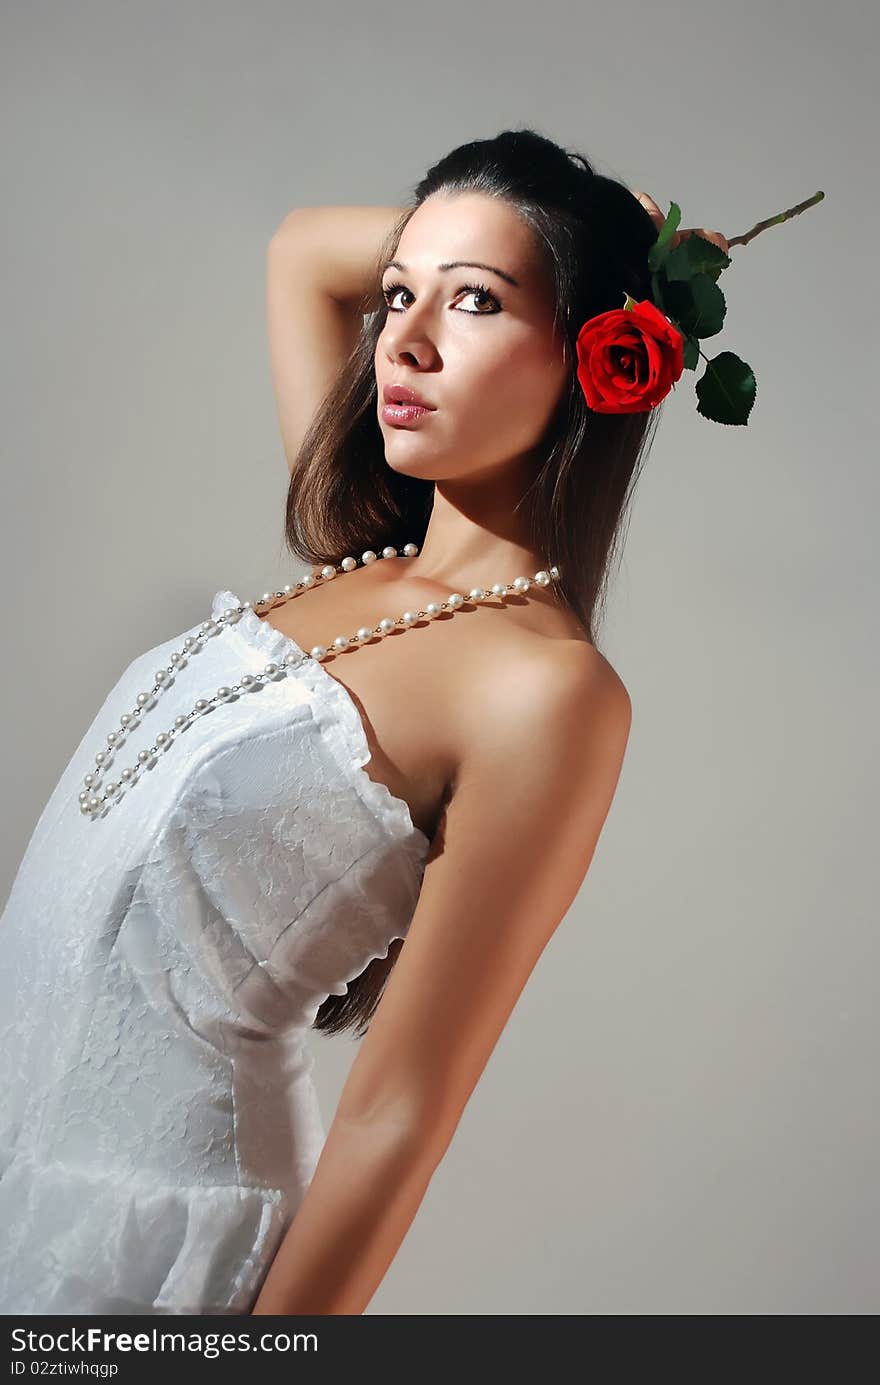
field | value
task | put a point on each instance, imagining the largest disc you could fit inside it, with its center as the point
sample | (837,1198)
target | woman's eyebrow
(459,264)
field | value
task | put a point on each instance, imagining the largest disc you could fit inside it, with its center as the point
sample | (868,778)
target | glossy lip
(403,394)
(402,415)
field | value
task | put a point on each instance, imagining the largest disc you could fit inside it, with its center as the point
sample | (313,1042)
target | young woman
(419,740)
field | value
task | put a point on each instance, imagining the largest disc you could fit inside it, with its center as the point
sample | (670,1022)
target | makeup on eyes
(390,290)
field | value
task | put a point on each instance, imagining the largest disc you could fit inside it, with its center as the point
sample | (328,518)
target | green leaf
(695,255)
(696,304)
(659,250)
(691,353)
(726,392)
(657,295)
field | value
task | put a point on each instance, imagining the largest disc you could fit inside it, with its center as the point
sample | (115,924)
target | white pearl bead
(454,600)
(307,581)
(340,642)
(247,680)
(270,670)
(410,550)
(521,584)
(389,552)
(142,699)
(368,557)
(554,572)
(476,594)
(499,589)
(318,651)
(364,634)
(542,578)
(200,705)
(409,618)
(328,572)
(348,563)
(433,609)
(386,624)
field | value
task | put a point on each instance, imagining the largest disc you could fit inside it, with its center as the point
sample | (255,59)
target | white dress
(162,964)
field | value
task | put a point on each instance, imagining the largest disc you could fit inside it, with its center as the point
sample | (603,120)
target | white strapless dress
(160,968)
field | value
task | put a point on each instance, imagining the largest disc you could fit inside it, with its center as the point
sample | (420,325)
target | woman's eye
(391,292)
(479,291)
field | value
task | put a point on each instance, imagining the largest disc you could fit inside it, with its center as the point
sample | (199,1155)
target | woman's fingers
(650,206)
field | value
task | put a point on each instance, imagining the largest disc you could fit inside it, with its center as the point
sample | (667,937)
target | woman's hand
(659,217)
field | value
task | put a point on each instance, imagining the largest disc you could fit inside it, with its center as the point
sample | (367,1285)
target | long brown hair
(593,236)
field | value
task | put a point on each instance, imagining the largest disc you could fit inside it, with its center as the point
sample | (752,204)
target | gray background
(681,1115)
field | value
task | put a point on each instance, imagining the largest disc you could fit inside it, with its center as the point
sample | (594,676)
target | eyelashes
(391,290)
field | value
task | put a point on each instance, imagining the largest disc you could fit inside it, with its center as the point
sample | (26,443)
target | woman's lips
(403,414)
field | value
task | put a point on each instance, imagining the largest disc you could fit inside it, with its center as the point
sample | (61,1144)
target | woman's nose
(410,336)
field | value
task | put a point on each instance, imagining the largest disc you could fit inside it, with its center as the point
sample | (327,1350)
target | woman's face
(477,343)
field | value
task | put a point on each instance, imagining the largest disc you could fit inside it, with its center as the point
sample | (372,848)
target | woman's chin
(411,461)
(424,473)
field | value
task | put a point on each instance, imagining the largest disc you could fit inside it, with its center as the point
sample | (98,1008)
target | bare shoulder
(552,703)
(578,678)
(542,759)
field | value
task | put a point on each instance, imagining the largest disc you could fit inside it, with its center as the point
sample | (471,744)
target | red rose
(628,359)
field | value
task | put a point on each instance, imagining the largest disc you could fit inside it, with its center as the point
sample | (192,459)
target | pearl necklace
(92,803)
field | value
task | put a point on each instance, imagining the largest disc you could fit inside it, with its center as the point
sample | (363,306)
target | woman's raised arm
(321,263)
